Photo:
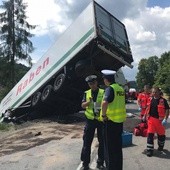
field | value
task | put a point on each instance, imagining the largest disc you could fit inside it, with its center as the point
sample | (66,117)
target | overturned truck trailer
(96,40)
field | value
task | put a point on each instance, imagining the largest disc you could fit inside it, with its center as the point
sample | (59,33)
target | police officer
(157,113)
(113,114)
(92,103)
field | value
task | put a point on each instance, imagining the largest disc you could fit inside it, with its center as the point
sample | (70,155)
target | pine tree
(14,35)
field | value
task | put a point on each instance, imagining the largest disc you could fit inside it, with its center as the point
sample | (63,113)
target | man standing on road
(143,99)
(92,103)
(157,113)
(113,114)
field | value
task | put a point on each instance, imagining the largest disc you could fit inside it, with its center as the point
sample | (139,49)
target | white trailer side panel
(78,35)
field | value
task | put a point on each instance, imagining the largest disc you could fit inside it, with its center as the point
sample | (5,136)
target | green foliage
(20,71)
(4,72)
(4,126)
(147,70)
(155,71)
(14,35)
(163,74)
(3,92)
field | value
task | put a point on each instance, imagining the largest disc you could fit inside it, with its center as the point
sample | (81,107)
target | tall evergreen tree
(14,35)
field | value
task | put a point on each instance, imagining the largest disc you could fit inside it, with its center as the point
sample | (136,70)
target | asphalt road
(64,154)
(134,156)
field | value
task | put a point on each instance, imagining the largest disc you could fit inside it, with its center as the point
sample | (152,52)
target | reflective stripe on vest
(116,110)
(89,109)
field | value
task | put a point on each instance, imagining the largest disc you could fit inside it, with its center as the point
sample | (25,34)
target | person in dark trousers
(92,104)
(157,113)
(113,114)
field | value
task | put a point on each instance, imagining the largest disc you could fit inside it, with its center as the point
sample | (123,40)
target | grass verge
(5,126)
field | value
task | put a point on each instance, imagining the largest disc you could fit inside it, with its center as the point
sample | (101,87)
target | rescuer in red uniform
(143,99)
(157,113)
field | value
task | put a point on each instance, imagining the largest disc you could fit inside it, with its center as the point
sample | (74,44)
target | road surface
(53,146)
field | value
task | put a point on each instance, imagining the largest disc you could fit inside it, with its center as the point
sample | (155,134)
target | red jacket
(143,99)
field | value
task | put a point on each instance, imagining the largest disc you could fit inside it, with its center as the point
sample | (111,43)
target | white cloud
(168,36)
(70,1)
(47,15)
(147,28)
(149,32)
(146,36)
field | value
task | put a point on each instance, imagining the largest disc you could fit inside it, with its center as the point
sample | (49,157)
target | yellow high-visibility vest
(89,109)
(116,110)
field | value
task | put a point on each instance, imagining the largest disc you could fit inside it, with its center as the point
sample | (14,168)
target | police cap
(108,73)
(91,78)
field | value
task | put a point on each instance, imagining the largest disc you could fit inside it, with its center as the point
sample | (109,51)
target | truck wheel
(59,81)
(36,99)
(83,68)
(80,67)
(46,93)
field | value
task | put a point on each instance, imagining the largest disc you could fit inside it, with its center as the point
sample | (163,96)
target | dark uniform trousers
(113,145)
(150,141)
(88,136)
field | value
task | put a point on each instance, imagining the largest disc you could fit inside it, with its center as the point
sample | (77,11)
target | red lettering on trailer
(25,84)
(19,89)
(32,75)
(38,70)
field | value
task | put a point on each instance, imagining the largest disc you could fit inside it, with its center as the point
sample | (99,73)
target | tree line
(155,71)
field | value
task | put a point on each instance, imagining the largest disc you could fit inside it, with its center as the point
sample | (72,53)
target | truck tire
(80,67)
(58,82)
(84,68)
(46,93)
(36,98)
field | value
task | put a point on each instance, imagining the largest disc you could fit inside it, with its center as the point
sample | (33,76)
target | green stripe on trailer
(56,64)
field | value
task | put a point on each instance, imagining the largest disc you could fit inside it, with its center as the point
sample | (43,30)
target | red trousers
(155,126)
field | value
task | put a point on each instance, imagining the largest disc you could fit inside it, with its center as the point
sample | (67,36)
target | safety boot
(100,166)
(149,153)
(85,166)
(160,148)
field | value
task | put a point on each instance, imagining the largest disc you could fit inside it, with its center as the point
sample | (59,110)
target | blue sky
(146,21)
(161,3)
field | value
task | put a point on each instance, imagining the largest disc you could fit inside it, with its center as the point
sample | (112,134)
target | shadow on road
(165,154)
